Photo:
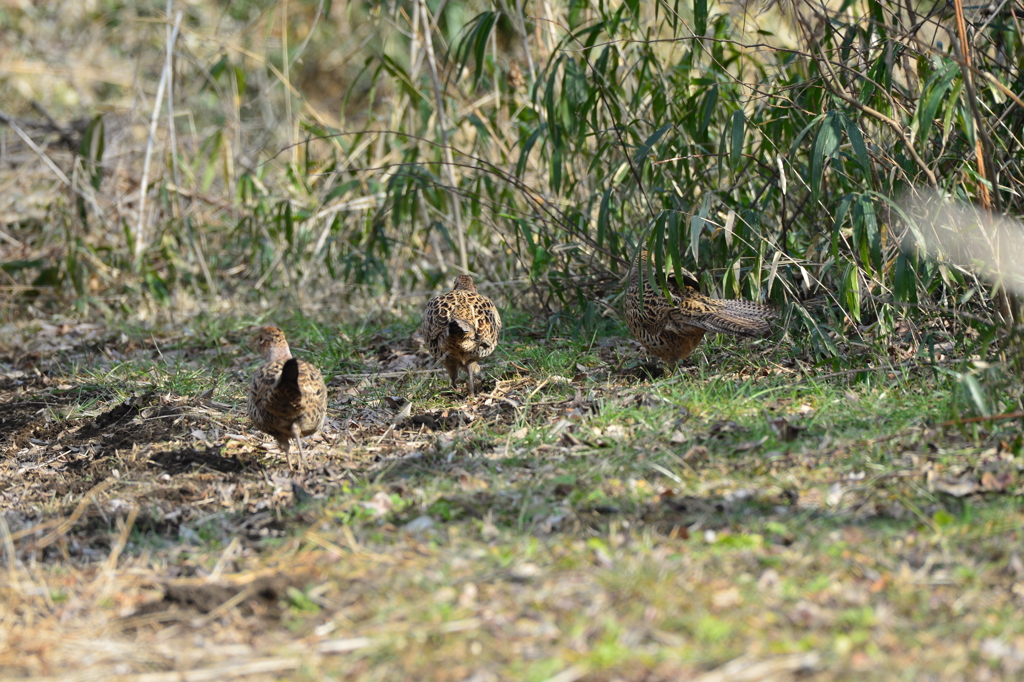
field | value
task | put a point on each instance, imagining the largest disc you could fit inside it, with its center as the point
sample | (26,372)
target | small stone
(524,571)
(419,524)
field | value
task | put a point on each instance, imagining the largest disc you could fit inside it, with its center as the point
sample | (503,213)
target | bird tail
(459,328)
(463,333)
(288,382)
(740,318)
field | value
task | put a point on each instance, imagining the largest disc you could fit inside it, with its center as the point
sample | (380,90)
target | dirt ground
(93,470)
(555,527)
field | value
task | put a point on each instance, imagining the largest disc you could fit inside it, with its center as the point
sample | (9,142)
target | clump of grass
(302,153)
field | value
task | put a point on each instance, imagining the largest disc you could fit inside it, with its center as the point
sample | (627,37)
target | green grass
(582,517)
(586,517)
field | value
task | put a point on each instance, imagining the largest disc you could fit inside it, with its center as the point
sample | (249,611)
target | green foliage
(697,149)
(547,152)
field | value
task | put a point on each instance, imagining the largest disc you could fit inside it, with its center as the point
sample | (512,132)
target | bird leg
(297,435)
(452,365)
(285,447)
(471,369)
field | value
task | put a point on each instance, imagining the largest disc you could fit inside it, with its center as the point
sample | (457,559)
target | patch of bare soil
(182,459)
(262,596)
(74,458)
(14,417)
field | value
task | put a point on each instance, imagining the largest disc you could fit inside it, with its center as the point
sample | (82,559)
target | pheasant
(671,329)
(287,396)
(461,327)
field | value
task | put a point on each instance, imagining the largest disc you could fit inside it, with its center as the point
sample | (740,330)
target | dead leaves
(442,420)
(749,445)
(381,504)
(995,470)
(969,484)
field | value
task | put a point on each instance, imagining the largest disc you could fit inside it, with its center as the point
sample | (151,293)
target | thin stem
(140,234)
(446,149)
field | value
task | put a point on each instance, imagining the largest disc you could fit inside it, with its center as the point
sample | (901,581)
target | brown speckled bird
(287,396)
(671,329)
(461,327)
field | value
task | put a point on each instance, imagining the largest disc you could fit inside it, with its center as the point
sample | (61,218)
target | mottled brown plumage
(461,327)
(287,396)
(671,329)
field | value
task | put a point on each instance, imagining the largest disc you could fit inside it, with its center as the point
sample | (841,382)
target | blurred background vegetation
(174,153)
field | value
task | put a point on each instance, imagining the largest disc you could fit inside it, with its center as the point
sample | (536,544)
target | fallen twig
(988,418)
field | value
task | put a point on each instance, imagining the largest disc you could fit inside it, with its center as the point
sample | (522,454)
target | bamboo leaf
(91,150)
(844,208)
(524,155)
(658,251)
(932,97)
(700,17)
(857,142)
(820,338)
(826,145)
(697,226)
(239,81)
(707,111)
(774,271)
(602,218)
(871,231)
(738,128)
(634,9)
(556,169)
(483,38)
(904,279)
(474,42)
(645,148)
(851,292)
(574,85)
(976,393)
(673,245)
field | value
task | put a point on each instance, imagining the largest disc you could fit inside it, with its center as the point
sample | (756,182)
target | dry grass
(206,224)
(756,517)
(556,527)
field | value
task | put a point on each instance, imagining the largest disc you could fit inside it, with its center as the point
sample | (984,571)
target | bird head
(271,344)
(464,283)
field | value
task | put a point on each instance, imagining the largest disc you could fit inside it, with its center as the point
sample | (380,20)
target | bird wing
(263,381)
(435,319)
(740,318)
(488,322)
(311,382)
